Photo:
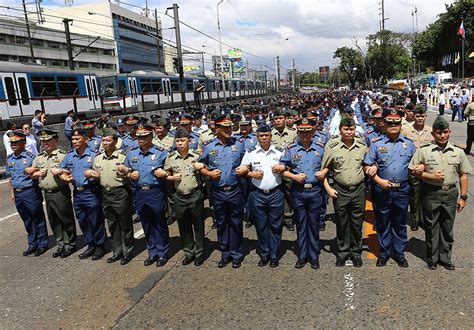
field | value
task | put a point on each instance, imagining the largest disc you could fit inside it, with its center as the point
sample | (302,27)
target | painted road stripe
(369,233)
(8,216)
(4,181)
(138,234)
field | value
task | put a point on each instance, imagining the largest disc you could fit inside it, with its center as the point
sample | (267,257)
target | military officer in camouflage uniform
(344,157)
(188,198)
(441,166)
(116,197)
(57,193)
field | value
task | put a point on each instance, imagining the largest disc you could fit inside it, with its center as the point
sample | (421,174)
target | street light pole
(220,51)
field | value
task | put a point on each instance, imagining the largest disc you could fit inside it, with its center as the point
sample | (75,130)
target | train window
(68,85)
(10,91)
(94,88)
(122,88)
(189,85)
(174,85)
(108,86)
(88,86)
(43,86)
(150,86)
(216,85)
(23,91)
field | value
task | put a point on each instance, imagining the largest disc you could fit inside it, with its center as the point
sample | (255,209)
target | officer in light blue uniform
(391,155)
(149,194)
(95,140)
(375,131)
(220,159)
(27,194)
(130,140)
(186,121)
(76,169)
(303,159)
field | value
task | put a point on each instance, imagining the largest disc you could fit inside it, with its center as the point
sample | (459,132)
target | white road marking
(138,234)
(349,291)
(8,216)
(4,181)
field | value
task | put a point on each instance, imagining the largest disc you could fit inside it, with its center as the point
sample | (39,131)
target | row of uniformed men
(221,160)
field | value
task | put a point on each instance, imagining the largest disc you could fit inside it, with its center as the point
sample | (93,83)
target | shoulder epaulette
(251,149)
(320,144)
(172,153)
(70,150)
(408,138)
(30,154)
(61,151)
(135,148)
(291,145)
(425,145)
(458,146)
(375,139)
(360,141)
(333,143)
(279,149)
(123,152)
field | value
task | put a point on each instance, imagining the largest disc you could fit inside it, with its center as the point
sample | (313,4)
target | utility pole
(157,40)
(293,75)
(220,50)
(179,54)
(277,71)
(68,43)
(28,32)
(383,15)
(202,58)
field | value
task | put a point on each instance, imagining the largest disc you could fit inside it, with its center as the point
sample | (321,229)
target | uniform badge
(89,159)
(233,148)
(405,146)
(383,150)
(25,161)
(11,164)
(153,157)
(213,153)
(317,154)
(134,158)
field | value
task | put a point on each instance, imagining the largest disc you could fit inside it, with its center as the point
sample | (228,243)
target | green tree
(352,64)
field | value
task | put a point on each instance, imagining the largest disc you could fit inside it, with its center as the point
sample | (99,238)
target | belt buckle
(108,189)
(18,189)
(395,185)
(308,186)
(49,190)
(445,187)
(145,187)
(266,191)
(228,188)
(352,188)
(80,188)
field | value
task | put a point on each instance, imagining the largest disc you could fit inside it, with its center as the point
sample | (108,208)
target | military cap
(261,120)
(235,117)
(142,120)
(120,122)
(186,119)
(246,120)
(348,109)
(264,129)
(173,113)
(70,111)
(346,121)
(109,130)
(16,135)
(410,106)
(181,133)
(223,120)
(305,124)
(278,112)
(131,120)
(197,114)
(440,123)
(88,124)
(393,115)
(144,130)
(162,121)
(154,117)
(47,134)
(419,109)
(376,112)
(79,131)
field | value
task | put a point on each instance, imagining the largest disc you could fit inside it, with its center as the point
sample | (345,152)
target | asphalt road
(59,293)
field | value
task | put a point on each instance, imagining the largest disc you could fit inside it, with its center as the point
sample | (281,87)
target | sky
(308,31)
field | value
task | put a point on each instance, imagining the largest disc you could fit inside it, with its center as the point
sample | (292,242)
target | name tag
(383,150)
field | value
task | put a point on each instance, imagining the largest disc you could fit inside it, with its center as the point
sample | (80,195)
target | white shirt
(6,143)
(336,120)
(31,144)
(259,159)
(200,130)
(442,99)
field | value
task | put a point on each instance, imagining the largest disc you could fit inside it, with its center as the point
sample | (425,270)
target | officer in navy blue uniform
(95,140)
(144,167)
(391,155)
(26,194)
(76,168)
(220,161)
(303,161)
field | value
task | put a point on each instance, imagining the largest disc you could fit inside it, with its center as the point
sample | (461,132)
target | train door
(17,93)
(91,91)
(132,82)
(166,84)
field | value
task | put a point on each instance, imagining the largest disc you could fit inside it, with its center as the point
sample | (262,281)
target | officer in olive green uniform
(116,197)
(344,156)
(188,198)
(161,138)
(441,165)
(56,192)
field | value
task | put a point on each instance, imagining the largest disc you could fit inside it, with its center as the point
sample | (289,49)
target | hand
(30,170)
(13,197)
(300,178)
(215,175)
(418,169)
(241,170)
(89,174)
(56,171)
(371,171)
(176,177)
(67,178)
(122,169)
(257,174)
(42,173)
(384,184)
(160,173)
(460,205)
(438,176)
(278,168)
(198,166)
(332,193)
(135,175)
(319,175)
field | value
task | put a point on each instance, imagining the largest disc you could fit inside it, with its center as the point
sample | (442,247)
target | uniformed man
(199,127)
(121,129)
(116,197)
(266,194)
(220,161)
(142,166)
(75,168)
(281,137)
(94,140)
(26,194)
(373,133)
(130,141)
(303,161)
(56,192)
(186,121)
(161,137)
(420,134)
(344,157)
(469,116)
(391,155)
(441,165)
(188,198)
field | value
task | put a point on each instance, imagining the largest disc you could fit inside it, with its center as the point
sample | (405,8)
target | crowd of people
(270,163)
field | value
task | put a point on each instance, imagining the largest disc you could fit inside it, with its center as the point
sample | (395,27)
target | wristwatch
(463,197)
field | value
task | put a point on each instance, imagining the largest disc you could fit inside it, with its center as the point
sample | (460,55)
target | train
(26,87)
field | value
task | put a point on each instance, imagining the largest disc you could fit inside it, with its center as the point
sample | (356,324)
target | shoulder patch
(61,151)
(320,144)
(123,152)
(333,143)
(291,145)
(375,139)
(425,145)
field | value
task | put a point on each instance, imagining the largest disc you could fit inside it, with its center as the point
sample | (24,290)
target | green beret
(278,112)
(440,123)
(347,121)
(181,133)
(419,109)
(109,131)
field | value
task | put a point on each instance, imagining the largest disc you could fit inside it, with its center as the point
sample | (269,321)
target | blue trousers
(268,211)
(246,186)
(324,206)
(29,204)
(307,208)
(390,219)
(151,206)
(228,212)
(89,214)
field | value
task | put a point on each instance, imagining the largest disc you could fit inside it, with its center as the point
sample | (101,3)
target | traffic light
(176,64)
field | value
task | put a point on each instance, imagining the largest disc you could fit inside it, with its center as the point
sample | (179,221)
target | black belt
(187,195)
(309,185)
(444,187)
(147,187)
(22,189)
(52,191)
(227,188)
(349,188)
(267,191)
(82,188)
(109,189)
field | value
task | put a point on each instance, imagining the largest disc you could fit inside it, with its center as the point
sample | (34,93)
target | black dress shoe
(125,260)
(150,261)
(447,265)
(214,225)
(263,262)
(357,262)
(187,261)
(274,263)
(87,253)
(236,263)
(314,263)
(29,251)
(340,262)
(401,261)
(224,262)
(58,253)
(290,226)
(381,262)
(432,265)
(414,227)
(198,261)
(248,224)
(300,263)
(67,252)
(98,253)
(40,251)
(322,227)
(170,221)
(113,259)
(161,261)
